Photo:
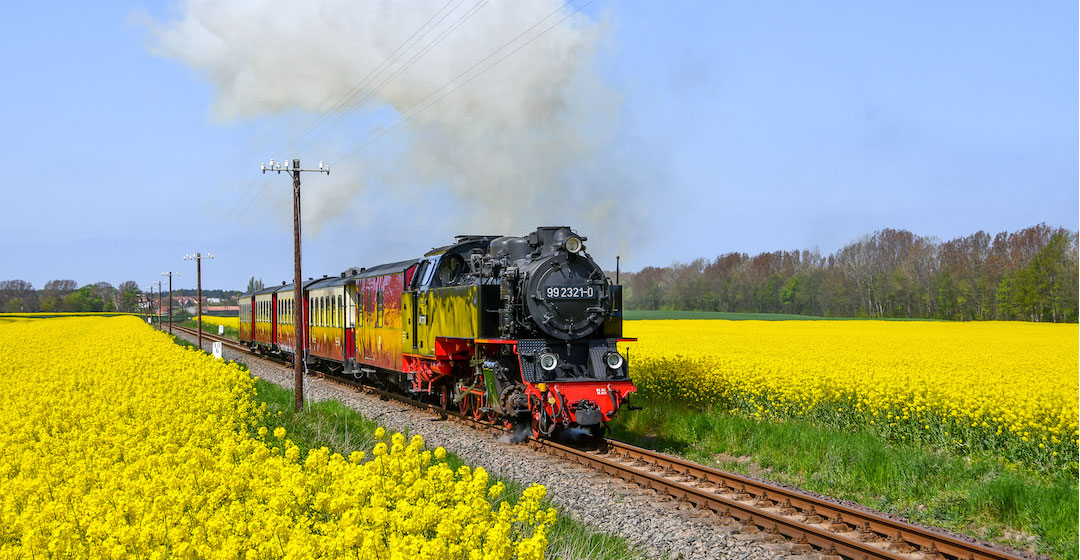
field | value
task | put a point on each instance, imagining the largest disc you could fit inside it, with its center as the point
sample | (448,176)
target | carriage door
(418,291)
(350,321)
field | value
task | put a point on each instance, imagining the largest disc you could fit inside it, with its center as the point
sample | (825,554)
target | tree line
(19,296)
(1027,275)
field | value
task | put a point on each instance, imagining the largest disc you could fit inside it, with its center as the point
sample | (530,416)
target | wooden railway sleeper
(763,501)
(748,527)
(831,554)
(741,494)
(773,534)
(838,525)
(864,533)
(931,552)
(800,545)
(811,517)
(898,544)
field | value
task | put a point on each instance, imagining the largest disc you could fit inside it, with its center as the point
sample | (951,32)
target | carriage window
(418,277)
(450,270)
(341,310)
(378,309)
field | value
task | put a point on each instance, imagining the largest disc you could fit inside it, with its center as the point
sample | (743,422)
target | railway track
(790,521)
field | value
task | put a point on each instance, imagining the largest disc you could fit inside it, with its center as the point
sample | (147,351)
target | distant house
(221,310)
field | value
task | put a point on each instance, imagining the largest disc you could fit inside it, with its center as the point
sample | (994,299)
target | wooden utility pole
(198,257)
(170,275)
(298,293)
(157,312)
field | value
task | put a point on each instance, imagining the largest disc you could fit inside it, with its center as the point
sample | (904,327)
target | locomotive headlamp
(614,360)
(573,244)
(548,361)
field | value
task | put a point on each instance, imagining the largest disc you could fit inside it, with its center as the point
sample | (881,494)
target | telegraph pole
(157,312)
(198,257)
(298,297)
(170,275)
(149,303)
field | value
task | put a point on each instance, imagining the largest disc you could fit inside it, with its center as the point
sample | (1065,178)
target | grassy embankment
(342,430)
(210,327)
(969,490)
(976,494)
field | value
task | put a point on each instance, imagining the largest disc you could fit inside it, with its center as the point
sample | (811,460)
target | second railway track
(789,521)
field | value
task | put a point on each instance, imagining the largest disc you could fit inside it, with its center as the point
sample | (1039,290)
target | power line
(408,64)
(411,112)
(390,59)
(349,151)
(341,102)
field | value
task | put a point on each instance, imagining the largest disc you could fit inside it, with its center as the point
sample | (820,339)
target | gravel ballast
(659,529)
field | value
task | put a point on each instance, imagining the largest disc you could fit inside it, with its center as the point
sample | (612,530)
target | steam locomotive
(513,329)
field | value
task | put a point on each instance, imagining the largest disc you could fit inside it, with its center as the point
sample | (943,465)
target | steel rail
(836,530)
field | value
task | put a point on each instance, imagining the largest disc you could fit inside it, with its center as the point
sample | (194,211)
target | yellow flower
(176,465)
(1004,386)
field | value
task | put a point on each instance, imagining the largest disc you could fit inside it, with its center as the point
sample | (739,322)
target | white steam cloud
(528,142)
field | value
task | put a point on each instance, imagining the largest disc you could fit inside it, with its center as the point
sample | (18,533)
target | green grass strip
(978,494)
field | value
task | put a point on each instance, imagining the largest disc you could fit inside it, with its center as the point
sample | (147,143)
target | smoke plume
(527,142)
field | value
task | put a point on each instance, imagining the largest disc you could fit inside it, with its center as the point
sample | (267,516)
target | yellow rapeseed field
(229,322)
(118,443)
(1006,386)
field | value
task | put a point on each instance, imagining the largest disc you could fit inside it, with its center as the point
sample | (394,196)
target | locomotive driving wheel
(465,404)
(444,396)
(477,406)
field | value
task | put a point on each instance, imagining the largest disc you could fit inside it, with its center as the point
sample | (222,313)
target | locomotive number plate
(571,292)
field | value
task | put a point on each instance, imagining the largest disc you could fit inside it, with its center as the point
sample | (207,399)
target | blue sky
(736,127)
